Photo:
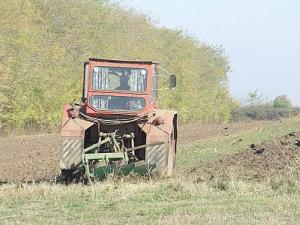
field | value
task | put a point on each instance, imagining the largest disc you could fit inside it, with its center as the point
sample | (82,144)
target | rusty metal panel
(70,154)
(75,127)
(162,128)
(157,155)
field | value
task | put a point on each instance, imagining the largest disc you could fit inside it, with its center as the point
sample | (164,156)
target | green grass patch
(213,149)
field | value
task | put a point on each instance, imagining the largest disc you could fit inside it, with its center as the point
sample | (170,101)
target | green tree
(282,101)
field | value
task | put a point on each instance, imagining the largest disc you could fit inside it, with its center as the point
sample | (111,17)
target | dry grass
(171,201)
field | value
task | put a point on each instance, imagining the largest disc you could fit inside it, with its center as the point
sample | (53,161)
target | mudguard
(162,127)
(72,139)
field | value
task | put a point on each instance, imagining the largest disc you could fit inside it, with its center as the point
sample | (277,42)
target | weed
(222,182)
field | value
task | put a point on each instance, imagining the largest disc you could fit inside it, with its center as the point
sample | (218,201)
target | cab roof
(122,61)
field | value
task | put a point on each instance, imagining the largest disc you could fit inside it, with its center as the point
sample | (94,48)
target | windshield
(117,103)
(120,79)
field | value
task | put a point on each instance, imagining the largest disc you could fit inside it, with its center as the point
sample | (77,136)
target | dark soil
(278,157)
(29,158)
(36,158)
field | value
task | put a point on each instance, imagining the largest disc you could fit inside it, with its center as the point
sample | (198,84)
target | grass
(154,202)
(212,149)
(163,201)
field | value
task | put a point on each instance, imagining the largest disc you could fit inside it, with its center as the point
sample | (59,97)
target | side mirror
(172,81)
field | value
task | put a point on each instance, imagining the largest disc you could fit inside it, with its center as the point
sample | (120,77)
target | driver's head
(123,83)
(123,80)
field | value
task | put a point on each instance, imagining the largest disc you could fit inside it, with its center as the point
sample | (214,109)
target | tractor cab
(120,87)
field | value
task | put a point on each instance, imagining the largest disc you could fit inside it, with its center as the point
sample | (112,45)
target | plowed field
(277,157)
(28,158)
(35,158)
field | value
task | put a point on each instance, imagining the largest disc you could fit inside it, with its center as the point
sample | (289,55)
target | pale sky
(260,37)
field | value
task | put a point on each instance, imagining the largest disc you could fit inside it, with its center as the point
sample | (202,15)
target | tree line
(259,107)
(44,43)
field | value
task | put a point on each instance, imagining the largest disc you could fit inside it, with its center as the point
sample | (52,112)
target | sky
(260,37)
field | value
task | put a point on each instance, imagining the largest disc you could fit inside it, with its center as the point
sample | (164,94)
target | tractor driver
(121,103)
(123,84)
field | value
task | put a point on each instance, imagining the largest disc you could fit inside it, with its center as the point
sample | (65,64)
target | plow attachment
(97,163)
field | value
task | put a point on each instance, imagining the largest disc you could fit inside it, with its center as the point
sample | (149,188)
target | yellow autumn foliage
(43,45)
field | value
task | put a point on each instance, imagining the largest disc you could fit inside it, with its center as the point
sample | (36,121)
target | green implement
(97,165)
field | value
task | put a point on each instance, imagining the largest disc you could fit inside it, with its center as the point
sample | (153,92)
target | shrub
(262,112)
(282,102)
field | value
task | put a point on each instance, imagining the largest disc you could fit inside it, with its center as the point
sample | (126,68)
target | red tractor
(118,127)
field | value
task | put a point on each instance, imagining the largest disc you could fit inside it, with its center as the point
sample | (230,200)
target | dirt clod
(277,157)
